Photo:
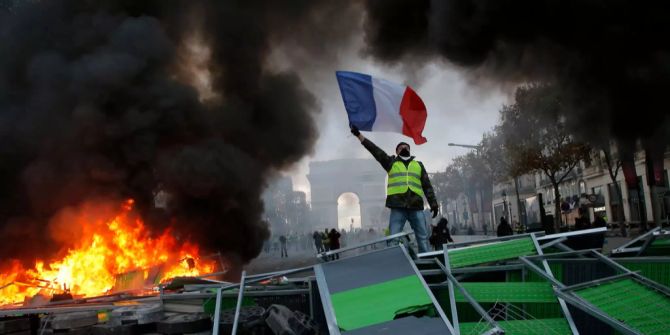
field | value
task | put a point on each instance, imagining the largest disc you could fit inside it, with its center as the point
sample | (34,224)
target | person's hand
(355,131)
(434,210)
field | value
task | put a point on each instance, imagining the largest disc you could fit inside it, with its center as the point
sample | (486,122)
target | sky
(458,111)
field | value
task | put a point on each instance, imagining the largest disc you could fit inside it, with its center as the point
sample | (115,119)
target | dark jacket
(440,234)
(504,229)
(317,238)
(409,199)
(334,238)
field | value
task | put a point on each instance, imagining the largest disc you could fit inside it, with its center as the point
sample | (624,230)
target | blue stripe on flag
(356,89)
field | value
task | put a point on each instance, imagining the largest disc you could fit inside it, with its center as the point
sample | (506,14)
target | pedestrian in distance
(504,229)
(582,222)
(599,239)
(282,242)
(318,242)
(407,185)
(440,234)
(334,238)
(371,237)
(325,240)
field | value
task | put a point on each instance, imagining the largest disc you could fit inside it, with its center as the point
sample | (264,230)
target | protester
(440,234)
(318,242)
(371,237)
(582,221)
(504,229)
(334,238)
(599,239)
(282,242)
(408,182)
(599,222)
(325,240)
(518,227)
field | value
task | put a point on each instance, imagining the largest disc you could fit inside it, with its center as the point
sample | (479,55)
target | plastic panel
(630,302)
(492,252)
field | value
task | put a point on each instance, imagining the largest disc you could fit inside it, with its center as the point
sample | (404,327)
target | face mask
(404,152)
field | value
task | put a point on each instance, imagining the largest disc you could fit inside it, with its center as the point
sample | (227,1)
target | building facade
(588,186)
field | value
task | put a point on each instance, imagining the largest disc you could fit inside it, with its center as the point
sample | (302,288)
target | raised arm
(385,160)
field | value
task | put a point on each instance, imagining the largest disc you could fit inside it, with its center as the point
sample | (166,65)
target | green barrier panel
(543,311)
(468,314)
(662,242)
(536,326)
(659,247)
(540,310)
(556,270)
(373,304)
(656,271)
(465,311)
(528,292)
(520,327)
(473,328)
(487,253)
(632,303)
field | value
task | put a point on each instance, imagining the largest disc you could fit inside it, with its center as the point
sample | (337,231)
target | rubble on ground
(519,284)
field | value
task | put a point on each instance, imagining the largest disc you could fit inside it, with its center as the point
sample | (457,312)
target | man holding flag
(374,104)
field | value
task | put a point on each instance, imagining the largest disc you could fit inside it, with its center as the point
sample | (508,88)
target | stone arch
(348,210)
(364,177)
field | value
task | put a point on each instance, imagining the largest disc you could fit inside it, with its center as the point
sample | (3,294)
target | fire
(106,250)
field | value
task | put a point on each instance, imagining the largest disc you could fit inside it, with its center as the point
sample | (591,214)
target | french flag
(375,104)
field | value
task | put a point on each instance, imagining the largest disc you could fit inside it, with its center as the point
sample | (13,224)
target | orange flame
(105,251)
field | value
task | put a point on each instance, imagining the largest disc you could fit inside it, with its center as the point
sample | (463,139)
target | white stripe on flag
(387,97)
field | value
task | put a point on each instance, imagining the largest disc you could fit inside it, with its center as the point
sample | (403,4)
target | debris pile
(520,284)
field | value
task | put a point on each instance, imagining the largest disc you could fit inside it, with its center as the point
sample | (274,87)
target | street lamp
(469,146)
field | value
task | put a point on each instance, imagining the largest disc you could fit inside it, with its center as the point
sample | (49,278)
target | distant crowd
(333,239)
(318,241)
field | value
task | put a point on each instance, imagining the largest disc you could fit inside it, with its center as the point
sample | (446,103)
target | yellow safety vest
(402,178)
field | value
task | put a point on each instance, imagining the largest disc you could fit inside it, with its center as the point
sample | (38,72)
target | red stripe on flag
(414,114)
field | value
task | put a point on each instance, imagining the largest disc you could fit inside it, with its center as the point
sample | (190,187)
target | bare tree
(538,140)
(448,184)
(613,167)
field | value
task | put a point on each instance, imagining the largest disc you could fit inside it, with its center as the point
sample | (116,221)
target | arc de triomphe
(364,177)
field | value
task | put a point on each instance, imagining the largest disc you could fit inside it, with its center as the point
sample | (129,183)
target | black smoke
(611,59)
(96,103)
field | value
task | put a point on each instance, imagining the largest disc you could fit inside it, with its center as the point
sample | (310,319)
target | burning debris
(498,285)
(109,100)
(109,252)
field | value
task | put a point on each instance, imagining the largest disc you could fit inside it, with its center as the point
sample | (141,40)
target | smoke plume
(611,59)
(123,99)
